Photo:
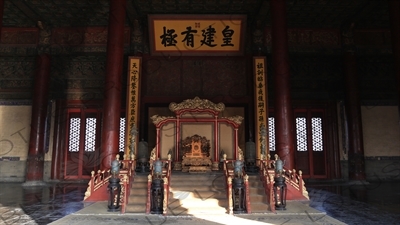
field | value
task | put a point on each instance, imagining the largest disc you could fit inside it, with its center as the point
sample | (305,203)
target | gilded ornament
(157,119)
(236,119)
(196,103)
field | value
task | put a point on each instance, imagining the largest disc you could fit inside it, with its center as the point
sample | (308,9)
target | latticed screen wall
(74,134)
(316,128)
(83,151)
(301,134)
(271,136)
(122,134)
(90,134)
(310,154)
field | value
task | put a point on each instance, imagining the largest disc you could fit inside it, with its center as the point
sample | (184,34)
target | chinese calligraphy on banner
(197,34)
(261,105)
(132,104)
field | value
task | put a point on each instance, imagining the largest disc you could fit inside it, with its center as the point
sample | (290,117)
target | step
(198,194)
(139,190)
(258,198)
(257,190)
(203,195)
(138,195)
(260,208)
(135,208)
(133,199)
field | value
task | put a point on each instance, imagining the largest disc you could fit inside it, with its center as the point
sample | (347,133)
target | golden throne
(195,151)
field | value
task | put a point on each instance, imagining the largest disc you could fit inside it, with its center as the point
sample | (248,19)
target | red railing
(96,182)
(267,174)
(296,180)
(126,174)
(100,181)
(292,179)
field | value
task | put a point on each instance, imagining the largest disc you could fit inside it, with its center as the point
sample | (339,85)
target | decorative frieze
(19,36)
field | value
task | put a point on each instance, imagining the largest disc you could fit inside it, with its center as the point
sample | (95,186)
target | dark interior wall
(313,77)
(78,67)
(197,76)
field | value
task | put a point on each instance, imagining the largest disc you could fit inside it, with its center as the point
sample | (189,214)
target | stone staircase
(202,193)
(258,198)
(138,198)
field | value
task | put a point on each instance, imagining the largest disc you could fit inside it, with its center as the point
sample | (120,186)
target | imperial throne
(195,151)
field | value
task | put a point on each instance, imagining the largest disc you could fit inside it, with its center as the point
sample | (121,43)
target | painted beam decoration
(132,105)
(261,106)
(177,35)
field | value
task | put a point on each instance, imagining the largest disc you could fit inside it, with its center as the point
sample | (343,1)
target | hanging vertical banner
(132,105)
(261,106)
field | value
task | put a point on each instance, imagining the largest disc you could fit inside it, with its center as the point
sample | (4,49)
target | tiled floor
(374,203)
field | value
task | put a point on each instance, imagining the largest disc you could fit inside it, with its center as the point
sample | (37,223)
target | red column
(112,92)
(35,161)
(353,113)
(394,9)
(283,107)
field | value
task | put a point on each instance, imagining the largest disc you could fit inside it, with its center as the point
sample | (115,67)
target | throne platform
(197,135)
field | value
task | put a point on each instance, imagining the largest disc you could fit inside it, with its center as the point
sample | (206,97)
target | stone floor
(61,203)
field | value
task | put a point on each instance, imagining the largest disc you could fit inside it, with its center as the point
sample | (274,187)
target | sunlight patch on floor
(229,219)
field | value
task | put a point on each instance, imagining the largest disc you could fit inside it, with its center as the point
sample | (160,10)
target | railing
(97,181)
(126,175)
(229,175)
(296,180)
(167,180)
(267,174)
(166,176)
(228,182)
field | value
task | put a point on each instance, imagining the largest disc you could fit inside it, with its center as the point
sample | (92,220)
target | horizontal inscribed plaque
(172,35)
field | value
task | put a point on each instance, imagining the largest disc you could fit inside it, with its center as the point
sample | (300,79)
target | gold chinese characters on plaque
(197,34)
(261,105)
(132,104)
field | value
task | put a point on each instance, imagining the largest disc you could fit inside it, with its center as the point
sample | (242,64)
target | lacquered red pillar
(283,112)
(112,92)
(354,123)
(394,12)
(35,161)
